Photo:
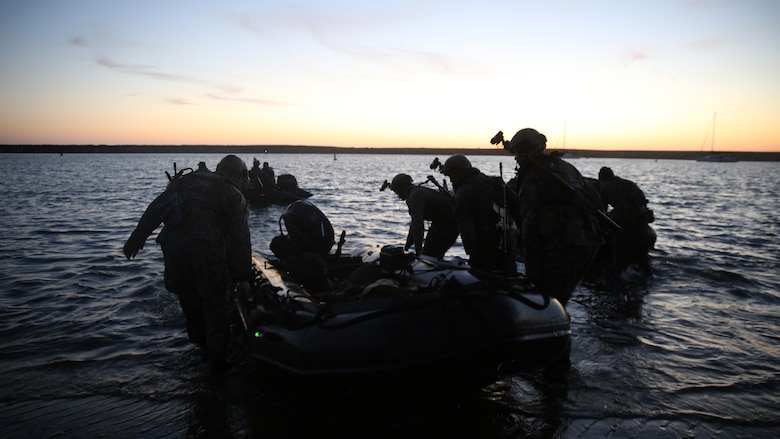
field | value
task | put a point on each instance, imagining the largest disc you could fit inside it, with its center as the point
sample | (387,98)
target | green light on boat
(258,334)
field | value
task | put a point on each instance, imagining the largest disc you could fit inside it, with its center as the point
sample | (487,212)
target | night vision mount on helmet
(525,141)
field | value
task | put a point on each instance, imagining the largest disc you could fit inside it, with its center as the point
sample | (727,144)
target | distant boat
(721,157)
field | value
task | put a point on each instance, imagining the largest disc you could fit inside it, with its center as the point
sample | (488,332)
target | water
(93,345)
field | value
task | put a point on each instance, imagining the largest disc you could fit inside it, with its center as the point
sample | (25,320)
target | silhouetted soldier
(479,220)
(426,204)
(632,243)
(206,244)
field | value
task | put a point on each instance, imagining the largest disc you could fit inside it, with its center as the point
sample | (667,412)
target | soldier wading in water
(207,248)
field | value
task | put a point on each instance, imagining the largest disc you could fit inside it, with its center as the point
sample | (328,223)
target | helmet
(527,141)
(401,183)
(455,163)
(233,168)
(605,173)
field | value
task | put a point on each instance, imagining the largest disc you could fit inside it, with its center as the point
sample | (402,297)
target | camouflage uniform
(478,221)
(559,238)
(206,244)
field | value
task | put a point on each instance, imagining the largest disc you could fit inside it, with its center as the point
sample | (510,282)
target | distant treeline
(302,149)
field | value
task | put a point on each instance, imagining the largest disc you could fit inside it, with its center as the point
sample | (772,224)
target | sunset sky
(629,75)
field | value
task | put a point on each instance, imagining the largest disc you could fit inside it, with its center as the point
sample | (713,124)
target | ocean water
(92,345)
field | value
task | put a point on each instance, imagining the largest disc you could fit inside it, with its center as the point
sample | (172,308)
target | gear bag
(307,227)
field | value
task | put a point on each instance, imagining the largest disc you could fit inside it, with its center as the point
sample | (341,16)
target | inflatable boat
(284,192)
(423,321)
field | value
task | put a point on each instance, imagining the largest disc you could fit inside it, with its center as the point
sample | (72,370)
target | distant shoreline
(302,149)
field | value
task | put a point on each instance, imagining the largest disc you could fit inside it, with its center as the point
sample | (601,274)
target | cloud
(144,70)
(705,43)
(154,73)
(148,71)
(634,57)
(400,57)
(177,101)
(79,42)
(337,31)
(320,22)
(247,100)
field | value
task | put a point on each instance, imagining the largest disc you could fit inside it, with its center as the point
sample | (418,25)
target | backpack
(307,227)
(287,182)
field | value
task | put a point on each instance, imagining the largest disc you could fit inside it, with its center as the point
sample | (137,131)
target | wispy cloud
(154,72)
(79,42)
(635,56)
(400,57)
(247,100)
(177,101)
(705,43)
(337,31)
(146,70)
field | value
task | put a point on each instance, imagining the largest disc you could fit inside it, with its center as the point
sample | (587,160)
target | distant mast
(713,156)
(712,144)
(567,155)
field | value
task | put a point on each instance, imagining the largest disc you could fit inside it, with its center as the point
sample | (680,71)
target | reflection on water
(694,350)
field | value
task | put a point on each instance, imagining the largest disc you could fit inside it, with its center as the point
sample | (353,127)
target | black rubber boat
(284,192)
(412,320)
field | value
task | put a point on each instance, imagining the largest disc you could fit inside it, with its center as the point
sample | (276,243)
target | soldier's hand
(132,246)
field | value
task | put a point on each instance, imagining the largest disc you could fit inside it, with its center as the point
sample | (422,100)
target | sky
(599,74)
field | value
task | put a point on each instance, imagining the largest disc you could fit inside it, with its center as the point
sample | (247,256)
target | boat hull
(466,330)
(717,158)
(286,191)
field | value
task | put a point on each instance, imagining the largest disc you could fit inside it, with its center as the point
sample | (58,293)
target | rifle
(341,242)
(502,213)
(442,189)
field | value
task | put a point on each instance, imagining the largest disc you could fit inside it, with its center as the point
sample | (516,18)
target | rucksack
(287,182)
(307,227)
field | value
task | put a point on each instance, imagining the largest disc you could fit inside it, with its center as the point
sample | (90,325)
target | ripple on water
(698,342)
